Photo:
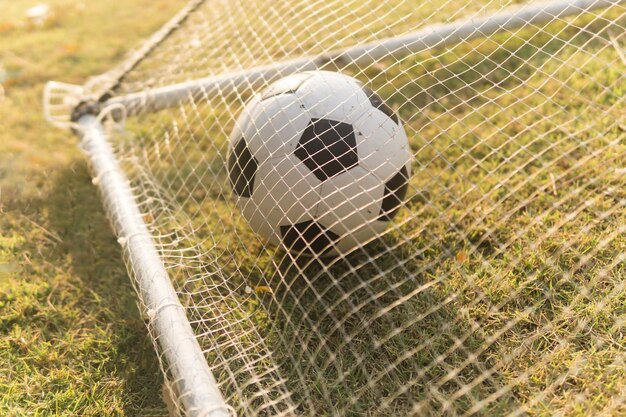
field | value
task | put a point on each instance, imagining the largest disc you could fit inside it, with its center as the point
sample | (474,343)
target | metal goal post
(100,107)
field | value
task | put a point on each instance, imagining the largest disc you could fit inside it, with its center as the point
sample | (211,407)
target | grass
(504,290)
(71,339)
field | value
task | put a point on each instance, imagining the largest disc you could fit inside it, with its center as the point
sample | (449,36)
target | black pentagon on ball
(308,237)
(327,148)
(242,168)
(395,191)
(378,102)
(277,89)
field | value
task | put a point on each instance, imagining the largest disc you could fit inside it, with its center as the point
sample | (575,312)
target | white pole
(188,366)
(456,32)
(427,38)
(114,77)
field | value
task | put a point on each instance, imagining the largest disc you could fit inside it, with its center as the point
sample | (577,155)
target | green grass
(72,341)
(508,257)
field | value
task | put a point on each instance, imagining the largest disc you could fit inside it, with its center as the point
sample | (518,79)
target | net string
(283,335)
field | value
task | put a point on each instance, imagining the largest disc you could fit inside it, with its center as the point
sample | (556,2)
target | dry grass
(71,339)
(507,273)
(512,251)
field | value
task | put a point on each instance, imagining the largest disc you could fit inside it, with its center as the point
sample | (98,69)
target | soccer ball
(319,163)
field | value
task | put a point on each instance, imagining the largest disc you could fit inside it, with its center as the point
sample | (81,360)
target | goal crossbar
(434,36)
(199,391)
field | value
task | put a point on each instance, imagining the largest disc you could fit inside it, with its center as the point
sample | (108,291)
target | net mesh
(498,288)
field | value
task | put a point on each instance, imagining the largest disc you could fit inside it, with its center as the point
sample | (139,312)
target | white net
(499,286)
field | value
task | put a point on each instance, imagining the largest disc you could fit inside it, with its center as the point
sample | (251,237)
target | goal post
(498,287)
(437,36)
(190,374)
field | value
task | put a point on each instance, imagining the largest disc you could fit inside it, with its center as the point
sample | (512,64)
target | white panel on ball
(286,190)
(275,127)
(285,85)
(259,221)
(329,95)
(350,200)
(382,145)
(360,237)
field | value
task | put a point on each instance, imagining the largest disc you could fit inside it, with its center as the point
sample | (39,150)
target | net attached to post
(499,286)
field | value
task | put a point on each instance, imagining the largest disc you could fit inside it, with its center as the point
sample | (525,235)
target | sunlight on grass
(72,341)
(506,274)
(507,246)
